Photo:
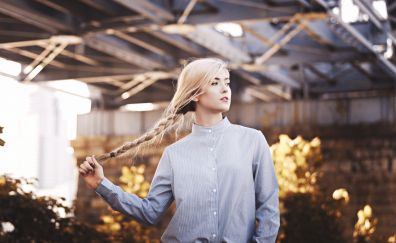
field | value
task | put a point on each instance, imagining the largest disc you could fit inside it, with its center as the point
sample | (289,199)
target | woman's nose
(224,87)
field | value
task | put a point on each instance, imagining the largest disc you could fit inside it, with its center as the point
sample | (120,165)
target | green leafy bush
(35,219)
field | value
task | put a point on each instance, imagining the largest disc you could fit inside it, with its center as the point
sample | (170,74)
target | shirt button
(214,212)
(214,190)
(214,235)
(214,168)
(211,149)
(209,130)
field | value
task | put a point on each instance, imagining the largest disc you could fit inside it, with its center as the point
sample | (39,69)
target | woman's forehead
(222,73)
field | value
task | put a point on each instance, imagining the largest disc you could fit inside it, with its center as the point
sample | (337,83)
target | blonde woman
(221,175)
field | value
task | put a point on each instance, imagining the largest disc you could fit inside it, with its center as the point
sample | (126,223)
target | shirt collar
(216,128)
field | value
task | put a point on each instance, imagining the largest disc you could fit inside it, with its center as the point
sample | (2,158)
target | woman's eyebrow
(216,78)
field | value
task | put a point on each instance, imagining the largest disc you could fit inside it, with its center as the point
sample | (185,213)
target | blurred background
(78,78)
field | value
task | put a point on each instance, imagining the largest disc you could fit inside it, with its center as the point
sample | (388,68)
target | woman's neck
(207,120)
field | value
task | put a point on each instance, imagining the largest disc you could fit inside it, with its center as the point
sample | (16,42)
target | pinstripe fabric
(222,179)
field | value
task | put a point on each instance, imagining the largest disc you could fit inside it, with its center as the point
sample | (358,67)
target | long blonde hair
(191,82)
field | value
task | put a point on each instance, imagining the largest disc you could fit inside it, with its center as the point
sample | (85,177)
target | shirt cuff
(104,187)
(265,239)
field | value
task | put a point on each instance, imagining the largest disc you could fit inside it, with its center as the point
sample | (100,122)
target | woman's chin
(225,108)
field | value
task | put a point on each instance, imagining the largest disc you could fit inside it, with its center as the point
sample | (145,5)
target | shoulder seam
(256,149)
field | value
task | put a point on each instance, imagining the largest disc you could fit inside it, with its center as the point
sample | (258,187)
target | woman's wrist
(98,182)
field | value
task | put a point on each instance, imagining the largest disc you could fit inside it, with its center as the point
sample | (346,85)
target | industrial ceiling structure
(132,50)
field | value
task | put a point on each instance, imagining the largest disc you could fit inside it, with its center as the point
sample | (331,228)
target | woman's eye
(215,83)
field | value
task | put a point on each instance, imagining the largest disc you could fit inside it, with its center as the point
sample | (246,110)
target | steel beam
(275,74)
(218,43)
(248,76)
(304,3)
(301,23)
(225,12)
(327,56)
(18,9)
(58,48)
(138,78)
(140,82)
(363,71)
(319,73)
(105,6)
(277,46)
(113,48)
(335,19)
(148,9)
(206,36)
(235,11)
(33,56)
(179,42)
(23,34)
(47,50)
(79,57)
(18,44)
(374,17)
(139,42)
(260,90)
(187,11)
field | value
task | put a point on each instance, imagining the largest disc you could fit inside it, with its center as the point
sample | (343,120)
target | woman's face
(212,97)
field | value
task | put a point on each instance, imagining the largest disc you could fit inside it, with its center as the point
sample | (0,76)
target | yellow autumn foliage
(365,225)
(295,162)
(133,181)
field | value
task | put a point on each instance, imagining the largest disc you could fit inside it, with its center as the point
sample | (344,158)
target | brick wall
(362,159)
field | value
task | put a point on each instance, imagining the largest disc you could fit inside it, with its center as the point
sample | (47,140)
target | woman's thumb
(95,161)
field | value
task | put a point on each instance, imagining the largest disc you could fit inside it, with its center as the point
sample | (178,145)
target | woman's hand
(92,172)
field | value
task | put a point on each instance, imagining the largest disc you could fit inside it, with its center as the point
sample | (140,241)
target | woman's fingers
(86,165)
(92,162)
(85,172)
(88,159)
(95,162)
(86,168)
(82,172)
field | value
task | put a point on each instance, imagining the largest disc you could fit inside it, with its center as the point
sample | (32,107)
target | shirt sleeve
(145,210)
(267,193)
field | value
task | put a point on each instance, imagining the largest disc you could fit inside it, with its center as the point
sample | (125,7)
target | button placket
(211,142)
(212,138)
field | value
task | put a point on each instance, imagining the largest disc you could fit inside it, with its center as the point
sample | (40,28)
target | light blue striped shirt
(222,178)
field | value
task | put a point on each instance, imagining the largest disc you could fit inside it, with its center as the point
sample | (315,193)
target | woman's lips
(224,99)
